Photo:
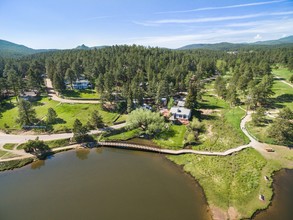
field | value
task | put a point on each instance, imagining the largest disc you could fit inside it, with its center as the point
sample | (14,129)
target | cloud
(257,37)
(212,19)
(222,7)
(269,29)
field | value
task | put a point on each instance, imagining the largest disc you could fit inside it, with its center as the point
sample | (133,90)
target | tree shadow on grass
(204,104)
(207,117)
(6,106)
(71,93)
(60,121)
(277,101)
(166,134)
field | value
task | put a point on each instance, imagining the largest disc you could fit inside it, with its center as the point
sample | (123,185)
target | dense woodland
(136,72)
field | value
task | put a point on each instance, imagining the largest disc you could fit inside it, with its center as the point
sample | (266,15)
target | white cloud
(212,19)
(257,37)
(270,29)
(223,7)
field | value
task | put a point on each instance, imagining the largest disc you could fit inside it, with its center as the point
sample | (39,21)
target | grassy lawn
(51,144)
(5,154)
(231,181)
(283,72)
(58,143)
(67,113)
(9,146)
(222,124)
(261,133)
(283,95)
(122,135)
(173,138)
(81,94)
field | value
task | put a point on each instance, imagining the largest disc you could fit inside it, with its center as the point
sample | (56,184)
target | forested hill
(12,50)
(282,42)
(9,49)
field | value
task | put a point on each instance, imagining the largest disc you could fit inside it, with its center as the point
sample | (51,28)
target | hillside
(233,46)
(9,49)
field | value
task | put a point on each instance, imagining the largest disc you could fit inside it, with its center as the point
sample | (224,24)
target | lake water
(104,184)
(282,204)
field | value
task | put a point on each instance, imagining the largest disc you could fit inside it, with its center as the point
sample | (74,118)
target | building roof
(81,81)
(180,110)
(30,93)
(181,104)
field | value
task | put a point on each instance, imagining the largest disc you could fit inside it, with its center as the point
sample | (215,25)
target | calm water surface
(282,204)
(104,184)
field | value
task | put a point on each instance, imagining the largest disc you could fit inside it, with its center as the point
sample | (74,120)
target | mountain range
(9,49)
(234,46)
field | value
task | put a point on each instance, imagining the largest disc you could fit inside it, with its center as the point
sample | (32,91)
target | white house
(81,84)
(180,113)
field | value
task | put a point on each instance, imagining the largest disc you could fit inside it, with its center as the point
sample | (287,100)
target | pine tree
(26,114)
(96,120)
(51,116)
(79,131)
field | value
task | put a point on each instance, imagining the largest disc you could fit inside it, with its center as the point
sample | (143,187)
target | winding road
(10,138)
(55,97)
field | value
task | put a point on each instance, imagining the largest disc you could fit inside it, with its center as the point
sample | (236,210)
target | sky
(66,24)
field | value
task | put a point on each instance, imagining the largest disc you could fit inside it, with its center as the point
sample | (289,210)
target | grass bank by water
(232,182)
(9,165)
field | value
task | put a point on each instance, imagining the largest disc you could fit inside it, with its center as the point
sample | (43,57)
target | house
(180,113)
(29,96)
(81,84)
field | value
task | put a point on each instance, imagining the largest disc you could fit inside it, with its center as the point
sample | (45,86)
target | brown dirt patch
(233,214)
(218,214)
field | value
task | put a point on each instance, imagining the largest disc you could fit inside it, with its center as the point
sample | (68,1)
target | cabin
(81,84)
(29,96)
(179,113)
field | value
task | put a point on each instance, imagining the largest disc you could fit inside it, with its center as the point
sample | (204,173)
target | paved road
(12,138)
(8,138)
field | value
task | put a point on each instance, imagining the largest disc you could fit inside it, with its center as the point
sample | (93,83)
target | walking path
(8,138)
(283,81)
(173,152)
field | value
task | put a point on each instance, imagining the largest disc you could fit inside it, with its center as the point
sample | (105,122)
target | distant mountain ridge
(12,50)
(9,49)
(231,46)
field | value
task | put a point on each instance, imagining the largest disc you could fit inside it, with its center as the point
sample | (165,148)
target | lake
(102,184)
(282,203)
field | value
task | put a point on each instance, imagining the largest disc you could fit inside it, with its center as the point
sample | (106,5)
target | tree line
(135,72)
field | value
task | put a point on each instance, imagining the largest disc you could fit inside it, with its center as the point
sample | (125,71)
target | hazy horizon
(172,24)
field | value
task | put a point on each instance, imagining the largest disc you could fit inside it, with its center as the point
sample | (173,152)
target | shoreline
(273,187)
(213,211)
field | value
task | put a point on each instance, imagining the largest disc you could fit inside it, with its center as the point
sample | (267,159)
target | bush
(36,146)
